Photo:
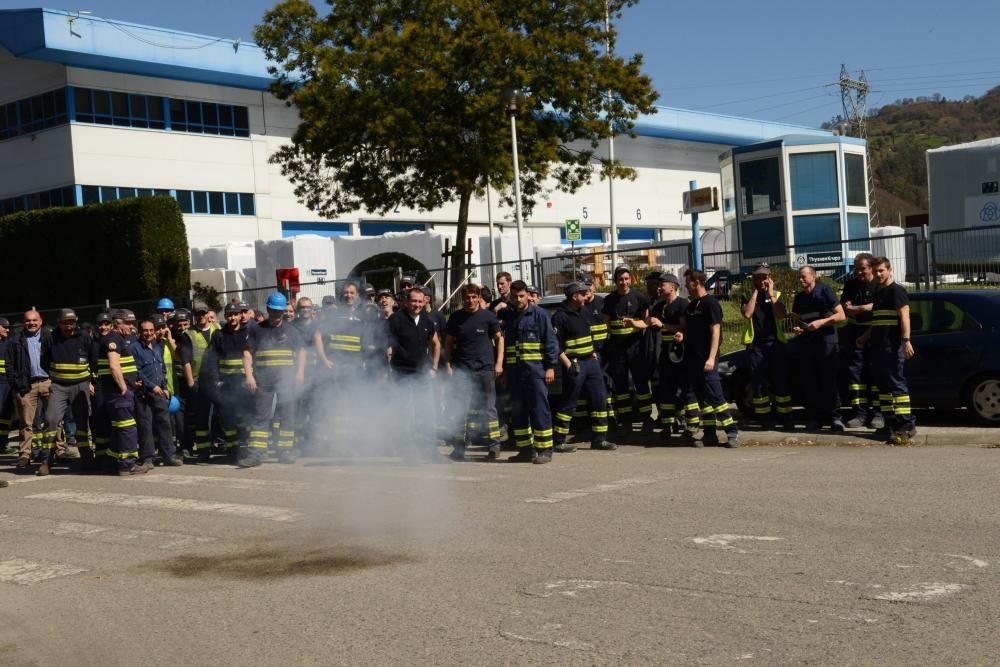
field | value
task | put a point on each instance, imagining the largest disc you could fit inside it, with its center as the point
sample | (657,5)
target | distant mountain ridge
(900,133)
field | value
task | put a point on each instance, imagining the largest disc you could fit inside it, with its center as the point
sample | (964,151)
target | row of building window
(190,201)
(33,114)
(104,107)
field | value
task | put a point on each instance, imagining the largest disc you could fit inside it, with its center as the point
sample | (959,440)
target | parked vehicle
(956,336)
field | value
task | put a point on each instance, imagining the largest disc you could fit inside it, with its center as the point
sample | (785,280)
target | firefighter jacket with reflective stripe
(67,360)
(573,330)
(531,337)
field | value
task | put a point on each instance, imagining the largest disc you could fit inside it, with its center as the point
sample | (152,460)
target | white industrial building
(94,109)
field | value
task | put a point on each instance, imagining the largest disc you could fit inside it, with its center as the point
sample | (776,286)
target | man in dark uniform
(624,312)
(224,361)
(889,337)
(273,366)
(414,354)
(117,372)
(473,351)
(701,333)
(100,428)
(581,371)
(67,356)
(767,346)
(674,394)
(856,362)
(528,370)
(816,312)
(6,399)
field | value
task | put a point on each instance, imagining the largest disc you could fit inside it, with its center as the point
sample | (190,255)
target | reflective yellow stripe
(122,423)
(69,371)
(274,353)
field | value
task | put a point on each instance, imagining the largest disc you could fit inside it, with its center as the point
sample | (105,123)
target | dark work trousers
(713,406)
(473,411)
(859,377)
(888,360)
(185,417)
(100,426)
(63,397)
(769,379)
(204,407)
(234,403)
(152,416)
(589,383)
(674,394)
(531,417)
(124,434)
(623,362)
(818,362)
(280,397)
(6,409)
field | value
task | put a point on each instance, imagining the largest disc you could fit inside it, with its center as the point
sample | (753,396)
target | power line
(785,104)
(758,97)
(149,42)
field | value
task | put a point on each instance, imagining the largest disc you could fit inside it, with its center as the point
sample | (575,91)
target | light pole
(515,98)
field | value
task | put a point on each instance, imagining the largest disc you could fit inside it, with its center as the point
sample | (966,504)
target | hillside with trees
(901,132)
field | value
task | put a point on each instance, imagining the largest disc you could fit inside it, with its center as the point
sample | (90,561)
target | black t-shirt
(859,293)
(669,314)
(410,341)
(764,326)
(817,305)
(473,334)
(885,321)
(616,306)
(700,315)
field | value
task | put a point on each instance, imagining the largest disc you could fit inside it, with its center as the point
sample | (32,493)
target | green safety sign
(573,232)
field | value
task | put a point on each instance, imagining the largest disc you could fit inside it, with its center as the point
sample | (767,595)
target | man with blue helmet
(273,363)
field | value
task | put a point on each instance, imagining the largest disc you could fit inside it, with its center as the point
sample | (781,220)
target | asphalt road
(764,554)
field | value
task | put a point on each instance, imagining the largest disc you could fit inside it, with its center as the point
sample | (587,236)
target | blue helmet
(277,301)
(174,406)
(164,304)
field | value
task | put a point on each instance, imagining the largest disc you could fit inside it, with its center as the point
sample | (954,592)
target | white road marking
(24,479)
(26,573)
(609,487)
(724,541)
(921,592)
(239,483)
(244,511)
(976,562)
(157,539)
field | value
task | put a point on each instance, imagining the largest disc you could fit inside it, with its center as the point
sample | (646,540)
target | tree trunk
(459,262)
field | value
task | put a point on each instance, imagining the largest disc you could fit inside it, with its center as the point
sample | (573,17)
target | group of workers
(126,393)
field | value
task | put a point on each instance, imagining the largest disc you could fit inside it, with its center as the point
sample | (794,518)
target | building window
(857,228)
(380,228)
(636,234)
(65,196)
(814,180)
(33,114)
(588,234)
(190,201)
(328,229)
(760,183)
(763,238)
(152,112)
(818,232)
(857,191)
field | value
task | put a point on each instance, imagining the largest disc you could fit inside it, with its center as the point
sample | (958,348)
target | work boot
(648,425)
(542,456)
(70,453)
(288,456)
(251,460)
(23,466)
(43,469)
(732,439)
(133,470)
(173,461)
(494,451)
(605,445)
(812,425)
(148,465)
(711,438)
(565,448)
(458,453)
(837,426)
(855,422)
(204,455)
(524,455)
(877,421)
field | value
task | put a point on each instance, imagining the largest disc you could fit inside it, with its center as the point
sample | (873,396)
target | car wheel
(984,399)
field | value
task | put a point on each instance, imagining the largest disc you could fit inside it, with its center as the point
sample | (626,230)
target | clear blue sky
(767,59)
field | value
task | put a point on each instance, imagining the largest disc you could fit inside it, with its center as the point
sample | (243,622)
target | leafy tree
(404,102)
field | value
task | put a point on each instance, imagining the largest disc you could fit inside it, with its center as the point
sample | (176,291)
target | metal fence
(559,270)
(969,256)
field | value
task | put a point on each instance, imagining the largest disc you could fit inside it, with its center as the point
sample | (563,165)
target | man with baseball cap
(767,346)
(625,311)
(581,371)
(6,402)
(67,358)
(674,395)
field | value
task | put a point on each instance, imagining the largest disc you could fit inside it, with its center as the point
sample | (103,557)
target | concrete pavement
(765,554)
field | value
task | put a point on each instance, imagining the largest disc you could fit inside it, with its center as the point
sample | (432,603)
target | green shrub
(124,251)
